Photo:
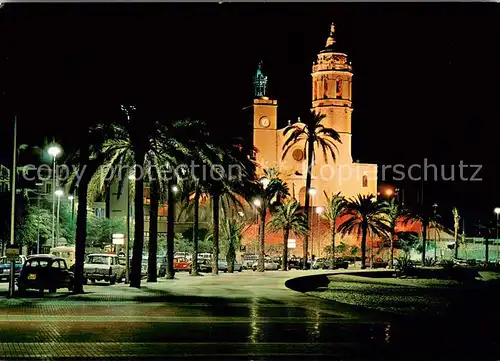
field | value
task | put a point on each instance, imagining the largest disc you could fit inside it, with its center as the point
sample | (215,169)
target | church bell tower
(265,122)
(332,93)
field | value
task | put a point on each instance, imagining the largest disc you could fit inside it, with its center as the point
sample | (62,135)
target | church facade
(332,96)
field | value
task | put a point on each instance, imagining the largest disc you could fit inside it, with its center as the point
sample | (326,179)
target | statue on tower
(260,83)
(331,38)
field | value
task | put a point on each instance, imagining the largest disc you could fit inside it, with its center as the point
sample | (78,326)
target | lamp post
(71,198)
(13,176)
(59,193)
(54,151)
(312,193)
(319,212)
(38,184)
(497,212)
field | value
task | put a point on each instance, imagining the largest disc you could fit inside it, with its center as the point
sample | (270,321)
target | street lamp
(497,212)
(389,192)
(257,202)
(59,193)
(54,151)
(175,188)
(312,192)
(71,198)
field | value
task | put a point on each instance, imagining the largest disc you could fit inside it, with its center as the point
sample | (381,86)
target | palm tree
(334,207)
(289,218)
(270,191)
(365,216)
(311,134)
(456,225)
(231,234)
(228,190)
(395,213)
(86,157)
(427,216)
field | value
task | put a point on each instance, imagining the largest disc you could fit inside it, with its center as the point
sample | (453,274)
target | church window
(339,88)
(298,155)
(365,181)
(325,88)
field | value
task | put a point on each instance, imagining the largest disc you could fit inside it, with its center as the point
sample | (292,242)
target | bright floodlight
(257,202)
(71,198)
(389,192)
(312,191)
(54,151)
(497,210)
(319,210)
(264,181)
(175,188)
(59,193)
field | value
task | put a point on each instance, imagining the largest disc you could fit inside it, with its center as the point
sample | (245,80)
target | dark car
(45,273)
(5,267)
(322,263)
(298,263)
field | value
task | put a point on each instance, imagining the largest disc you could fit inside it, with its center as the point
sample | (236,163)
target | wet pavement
(231,316)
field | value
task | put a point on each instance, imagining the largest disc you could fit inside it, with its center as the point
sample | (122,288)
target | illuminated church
(332,96)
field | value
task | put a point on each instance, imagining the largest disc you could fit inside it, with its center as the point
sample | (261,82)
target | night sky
(426,78)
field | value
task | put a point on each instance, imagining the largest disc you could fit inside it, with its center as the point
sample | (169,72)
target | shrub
(429,262)
(404,265)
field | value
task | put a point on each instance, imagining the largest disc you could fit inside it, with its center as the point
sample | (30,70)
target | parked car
(322,263)
(68,253)
(297,263)
(379,263)
(5,267)
(186,255)
(43,272)
(249,260)
(223,267)
(103,266)
(182,264)
(269,265)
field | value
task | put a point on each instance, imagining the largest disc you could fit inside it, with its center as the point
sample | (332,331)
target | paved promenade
(229,316)
(248,316)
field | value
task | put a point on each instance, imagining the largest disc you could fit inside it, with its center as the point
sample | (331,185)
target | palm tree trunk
(333,229)
(284,262)
(215,238)
(196,215)
(135,277)
(262,240)
(364,231)
(153,228)
(170,230)
(81,225)
(486,250)
(391,264)
(310,155)
(424,240)
(456,242)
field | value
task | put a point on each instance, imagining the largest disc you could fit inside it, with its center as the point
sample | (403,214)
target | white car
(103,266)
(268,265)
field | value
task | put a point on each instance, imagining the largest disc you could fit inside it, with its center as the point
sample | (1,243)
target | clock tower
(265,122)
